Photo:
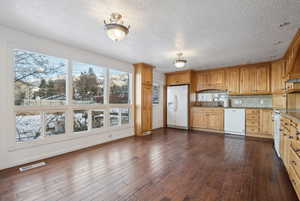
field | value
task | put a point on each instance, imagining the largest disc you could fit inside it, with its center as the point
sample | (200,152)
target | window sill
(105,132)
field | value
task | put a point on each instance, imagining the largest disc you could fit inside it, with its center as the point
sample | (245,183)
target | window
(119,87)
(155,94)
(97,119)
(88,83)
(39,79)
(114,117)
(55,123)
(43,108)
(124,116)
(28,126)
(80,120)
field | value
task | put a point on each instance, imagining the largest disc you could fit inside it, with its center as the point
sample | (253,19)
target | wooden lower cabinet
(259,123)
(290,150)
(207,118)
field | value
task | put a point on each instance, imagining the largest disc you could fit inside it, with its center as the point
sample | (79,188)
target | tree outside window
(80,120)
(39,79)
(119,87)
(88,83)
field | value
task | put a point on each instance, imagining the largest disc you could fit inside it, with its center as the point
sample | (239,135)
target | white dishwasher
(234,121)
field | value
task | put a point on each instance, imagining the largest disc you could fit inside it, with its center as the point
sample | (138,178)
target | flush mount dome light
(115,28)
(180,62)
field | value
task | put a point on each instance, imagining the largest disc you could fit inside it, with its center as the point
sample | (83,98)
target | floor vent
(29,167)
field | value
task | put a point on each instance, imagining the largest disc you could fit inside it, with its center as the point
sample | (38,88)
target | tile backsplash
(261,101)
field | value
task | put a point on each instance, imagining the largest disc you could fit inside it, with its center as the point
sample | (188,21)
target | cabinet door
(147,75)
(147,107)
(201,81)
(233,80)
(217,79)
(263,79)
(215,121)
(266,123)
(277,74)
(199,118)
(247,80)
(279,101)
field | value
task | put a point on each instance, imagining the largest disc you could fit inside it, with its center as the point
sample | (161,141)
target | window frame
(68,108)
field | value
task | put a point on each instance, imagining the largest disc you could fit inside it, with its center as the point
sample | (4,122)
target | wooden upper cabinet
(216,79)
(147,75)
(263,79)
(247,80)
(144,73)
(212,79)
(201,80)
(293,58)
(232,77)
(255,79)
(277,75)
(180,77)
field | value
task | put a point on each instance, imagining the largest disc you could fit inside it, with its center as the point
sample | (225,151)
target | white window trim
(68,108)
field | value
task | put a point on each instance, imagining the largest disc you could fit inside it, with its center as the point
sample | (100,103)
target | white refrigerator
(177,107)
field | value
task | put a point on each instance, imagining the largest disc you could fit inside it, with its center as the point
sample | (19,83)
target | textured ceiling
(210,33)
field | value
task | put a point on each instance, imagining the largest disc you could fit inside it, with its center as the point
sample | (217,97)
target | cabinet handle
(294,162)
(290,137)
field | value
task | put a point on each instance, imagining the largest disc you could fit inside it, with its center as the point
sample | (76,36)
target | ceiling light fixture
(115,28)
(180,62)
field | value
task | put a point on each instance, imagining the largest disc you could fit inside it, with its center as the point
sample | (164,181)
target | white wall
(157,109)
(10,156)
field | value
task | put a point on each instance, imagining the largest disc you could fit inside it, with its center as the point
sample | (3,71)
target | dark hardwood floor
(166,166)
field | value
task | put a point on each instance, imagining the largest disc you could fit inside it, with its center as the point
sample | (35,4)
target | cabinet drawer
(295,145)
(252,129)
(294,161)
(252,111)
(295,180)
(252,116)
(252,122)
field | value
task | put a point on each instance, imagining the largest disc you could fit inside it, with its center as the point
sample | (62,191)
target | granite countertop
(268,108)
